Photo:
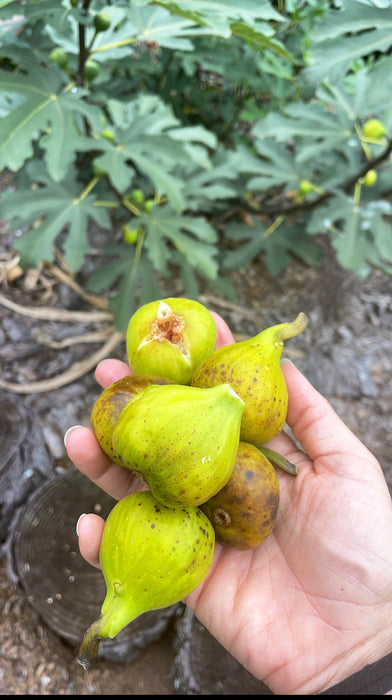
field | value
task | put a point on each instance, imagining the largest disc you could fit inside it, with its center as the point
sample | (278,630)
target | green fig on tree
(151,557)
(180,440)
(370,178)
(170,338)
(252,368)
(102,21)
(59,56)
(374,129)
(91,70)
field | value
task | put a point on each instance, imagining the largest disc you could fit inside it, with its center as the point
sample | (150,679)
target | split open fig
(171,338)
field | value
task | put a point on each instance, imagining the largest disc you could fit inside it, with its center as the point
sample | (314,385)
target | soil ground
(346,354)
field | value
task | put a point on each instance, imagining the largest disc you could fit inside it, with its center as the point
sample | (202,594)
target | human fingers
(89,529)
(86,454)
(224,334)
(109,371)
(324,436)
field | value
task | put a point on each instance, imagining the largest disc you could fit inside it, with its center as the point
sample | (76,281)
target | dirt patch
(345,352)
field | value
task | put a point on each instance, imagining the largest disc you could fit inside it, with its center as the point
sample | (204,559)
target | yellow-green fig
(109,404)
(170,338)
(252,368)
(374,129)
(59,56)
(151,557)
(180,440)
(244,512)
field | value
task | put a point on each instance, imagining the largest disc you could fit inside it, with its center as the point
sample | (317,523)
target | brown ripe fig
(109,404)
(244,511)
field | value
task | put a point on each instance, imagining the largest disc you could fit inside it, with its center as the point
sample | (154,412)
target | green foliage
(176,122)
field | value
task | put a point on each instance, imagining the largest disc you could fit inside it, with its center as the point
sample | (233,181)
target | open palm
(312,603)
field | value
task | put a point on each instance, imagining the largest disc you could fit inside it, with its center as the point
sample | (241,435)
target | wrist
(373,679)
(365,670)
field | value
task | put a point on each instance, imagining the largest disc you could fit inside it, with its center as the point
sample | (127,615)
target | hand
(313,603)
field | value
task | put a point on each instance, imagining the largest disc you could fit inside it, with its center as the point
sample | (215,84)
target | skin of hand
(313,603)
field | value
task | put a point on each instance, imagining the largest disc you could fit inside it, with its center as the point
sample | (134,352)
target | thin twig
(70,282)
(283,208)
(225,304)
(93,337)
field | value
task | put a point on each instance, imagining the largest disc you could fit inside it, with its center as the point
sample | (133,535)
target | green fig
(244,512)
(180,440)
(91,70)
(252,368)
(109,404)
(59,56)
(370,178)
(102,21)
(374,129)
(151,557)
(170,338)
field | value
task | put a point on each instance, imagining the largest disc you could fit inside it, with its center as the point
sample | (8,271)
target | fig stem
(89,646)
(279,461)
(289,330)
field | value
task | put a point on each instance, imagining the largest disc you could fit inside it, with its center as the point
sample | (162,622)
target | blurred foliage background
(197,136)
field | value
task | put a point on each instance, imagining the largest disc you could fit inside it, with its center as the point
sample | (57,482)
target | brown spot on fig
(221,517)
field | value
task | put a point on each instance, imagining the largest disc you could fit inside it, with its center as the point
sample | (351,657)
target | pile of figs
(190,422)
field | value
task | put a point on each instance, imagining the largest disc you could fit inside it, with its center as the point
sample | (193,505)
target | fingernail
(286,361)
(77,524)
(70,431)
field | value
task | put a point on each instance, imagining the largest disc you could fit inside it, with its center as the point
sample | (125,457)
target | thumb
(324,436)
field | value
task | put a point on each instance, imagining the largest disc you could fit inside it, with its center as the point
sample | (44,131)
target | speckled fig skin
(244,512)
(170,337)
(109,404)
(252,368)
(181,441)
(151,557)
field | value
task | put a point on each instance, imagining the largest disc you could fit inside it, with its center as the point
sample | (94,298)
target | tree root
(77,370)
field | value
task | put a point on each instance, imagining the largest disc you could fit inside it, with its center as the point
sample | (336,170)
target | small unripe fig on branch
(370,178)
(102,21)
(374,129)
